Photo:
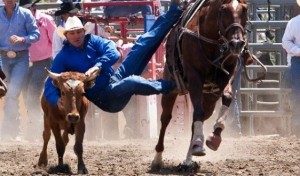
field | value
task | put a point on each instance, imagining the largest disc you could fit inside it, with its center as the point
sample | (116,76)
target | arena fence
(267,103)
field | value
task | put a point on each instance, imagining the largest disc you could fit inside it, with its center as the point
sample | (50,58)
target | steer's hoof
(198,149)
(156,166)
(82,171)
(213,142)
(42,162)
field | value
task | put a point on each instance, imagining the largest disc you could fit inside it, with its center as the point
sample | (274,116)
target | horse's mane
(198,11)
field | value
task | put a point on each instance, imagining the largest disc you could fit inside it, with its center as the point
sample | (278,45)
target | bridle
(221,42)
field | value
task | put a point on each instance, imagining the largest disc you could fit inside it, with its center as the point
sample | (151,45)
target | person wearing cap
(18,31)
(67,9)
(40,58)
(89,54)
(291,43)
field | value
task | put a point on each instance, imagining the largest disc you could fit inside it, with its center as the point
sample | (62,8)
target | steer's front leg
(43,160)
(60,146)
(78,148)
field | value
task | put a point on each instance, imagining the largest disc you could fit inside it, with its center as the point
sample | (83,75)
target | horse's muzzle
(236,46)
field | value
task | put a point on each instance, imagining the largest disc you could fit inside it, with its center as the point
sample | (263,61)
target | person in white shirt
(291,43)
(67,9)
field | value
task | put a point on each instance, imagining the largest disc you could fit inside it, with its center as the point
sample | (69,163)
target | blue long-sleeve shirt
(22,23)
(97,52)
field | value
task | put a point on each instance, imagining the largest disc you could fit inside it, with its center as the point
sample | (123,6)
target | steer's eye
(62,93)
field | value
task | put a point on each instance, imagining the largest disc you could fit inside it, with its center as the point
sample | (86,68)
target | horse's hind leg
(167,103)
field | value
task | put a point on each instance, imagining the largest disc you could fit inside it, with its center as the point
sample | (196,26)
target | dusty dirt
(258,155)
(268,155)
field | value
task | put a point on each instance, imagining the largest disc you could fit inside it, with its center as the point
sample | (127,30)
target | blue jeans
(287,81)
(124,11)
(295,85)
(34,83)
(125,83)
(16,70)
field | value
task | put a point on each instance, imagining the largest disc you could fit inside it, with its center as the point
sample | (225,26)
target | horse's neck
(204,20)
(190,17)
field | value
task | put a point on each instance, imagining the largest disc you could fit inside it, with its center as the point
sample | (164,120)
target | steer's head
(72,86)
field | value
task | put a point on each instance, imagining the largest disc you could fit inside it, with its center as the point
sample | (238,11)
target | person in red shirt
(40,58)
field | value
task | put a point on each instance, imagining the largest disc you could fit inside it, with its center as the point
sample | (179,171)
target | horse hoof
(213,142)
(198,149)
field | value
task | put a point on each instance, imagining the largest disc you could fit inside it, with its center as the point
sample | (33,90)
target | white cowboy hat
(72,23)
(298,2)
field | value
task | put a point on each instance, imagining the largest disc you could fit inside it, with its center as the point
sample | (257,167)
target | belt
(13,54)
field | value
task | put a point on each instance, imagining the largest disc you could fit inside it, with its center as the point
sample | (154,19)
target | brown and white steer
(68,116)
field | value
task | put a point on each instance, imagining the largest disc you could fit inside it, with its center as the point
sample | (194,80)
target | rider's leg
(147,44)
(115,97)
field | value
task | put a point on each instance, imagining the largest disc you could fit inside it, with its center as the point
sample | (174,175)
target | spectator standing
(291,43)
(67,9)
(18,30)
(40,58)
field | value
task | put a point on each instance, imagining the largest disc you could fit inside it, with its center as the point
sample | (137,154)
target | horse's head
(232,19)
(222,22)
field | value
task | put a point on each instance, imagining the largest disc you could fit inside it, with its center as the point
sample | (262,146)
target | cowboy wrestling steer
(68,116)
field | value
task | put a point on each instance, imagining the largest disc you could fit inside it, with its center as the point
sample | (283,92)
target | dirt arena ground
(257,155)
(260,155)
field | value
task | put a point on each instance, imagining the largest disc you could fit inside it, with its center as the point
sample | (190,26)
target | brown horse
(205,47)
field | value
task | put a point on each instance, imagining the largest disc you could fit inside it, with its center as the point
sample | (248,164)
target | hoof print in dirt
(60,169)
(193,168)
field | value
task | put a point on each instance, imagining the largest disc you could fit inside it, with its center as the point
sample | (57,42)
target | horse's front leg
(167,103)
(196,145)
(214,140)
